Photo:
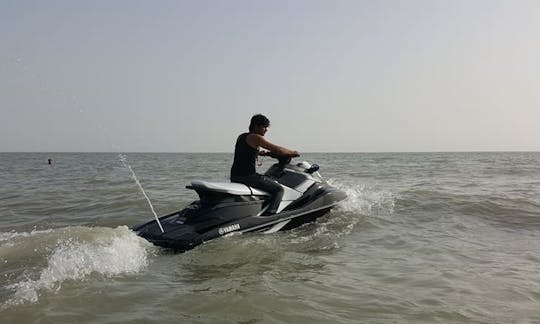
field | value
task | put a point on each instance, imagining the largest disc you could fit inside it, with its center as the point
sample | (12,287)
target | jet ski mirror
(313,168)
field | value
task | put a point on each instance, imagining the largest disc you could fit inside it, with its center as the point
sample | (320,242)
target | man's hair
(258,120)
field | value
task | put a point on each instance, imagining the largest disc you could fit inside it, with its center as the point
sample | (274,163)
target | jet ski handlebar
(283,159)
(279,156)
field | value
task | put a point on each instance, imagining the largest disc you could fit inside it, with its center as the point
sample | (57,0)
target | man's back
(244,158)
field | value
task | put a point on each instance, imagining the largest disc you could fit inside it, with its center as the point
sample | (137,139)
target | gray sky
(332,76)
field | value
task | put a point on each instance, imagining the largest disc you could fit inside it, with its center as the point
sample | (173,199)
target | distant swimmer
(50,161)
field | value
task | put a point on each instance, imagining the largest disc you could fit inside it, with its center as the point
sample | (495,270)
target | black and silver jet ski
(225,208)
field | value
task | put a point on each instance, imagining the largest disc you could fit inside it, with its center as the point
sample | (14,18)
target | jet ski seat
(231,188)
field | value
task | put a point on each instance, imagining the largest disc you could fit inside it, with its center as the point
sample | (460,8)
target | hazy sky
(332,76)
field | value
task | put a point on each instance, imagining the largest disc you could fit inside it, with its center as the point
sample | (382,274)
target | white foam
(364,199)
(6,236)
(123,252)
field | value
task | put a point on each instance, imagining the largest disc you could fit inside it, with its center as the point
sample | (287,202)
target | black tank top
(244,158)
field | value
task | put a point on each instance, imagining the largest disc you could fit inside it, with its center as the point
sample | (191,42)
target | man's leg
(272,186)
(267,184)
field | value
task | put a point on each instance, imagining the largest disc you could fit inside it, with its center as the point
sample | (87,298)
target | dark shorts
(259,181)
(264,183)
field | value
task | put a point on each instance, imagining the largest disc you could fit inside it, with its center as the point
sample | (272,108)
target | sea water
(422,238)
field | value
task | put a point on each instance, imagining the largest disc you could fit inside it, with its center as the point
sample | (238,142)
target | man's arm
(256,141)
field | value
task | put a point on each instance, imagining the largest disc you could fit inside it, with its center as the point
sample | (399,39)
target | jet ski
(226,208)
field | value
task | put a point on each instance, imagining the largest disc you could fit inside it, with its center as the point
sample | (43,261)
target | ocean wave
(503,211)
(498,208)
(75,254)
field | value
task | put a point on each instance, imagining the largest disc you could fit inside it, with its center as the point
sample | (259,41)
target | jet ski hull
(182,230)
(224,208)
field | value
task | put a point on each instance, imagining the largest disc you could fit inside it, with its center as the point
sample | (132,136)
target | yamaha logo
(228,229)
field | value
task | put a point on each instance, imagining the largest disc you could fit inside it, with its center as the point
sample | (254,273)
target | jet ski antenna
(124,162)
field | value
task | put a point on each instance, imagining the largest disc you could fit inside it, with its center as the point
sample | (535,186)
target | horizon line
(230,152)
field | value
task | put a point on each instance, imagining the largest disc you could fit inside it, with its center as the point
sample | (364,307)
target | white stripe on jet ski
(288,218)
(277,227)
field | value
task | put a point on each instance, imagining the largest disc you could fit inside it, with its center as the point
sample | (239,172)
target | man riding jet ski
(285,197)
(246,152)
(224,208)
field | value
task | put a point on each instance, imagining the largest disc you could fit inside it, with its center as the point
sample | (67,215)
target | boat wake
(362,206)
